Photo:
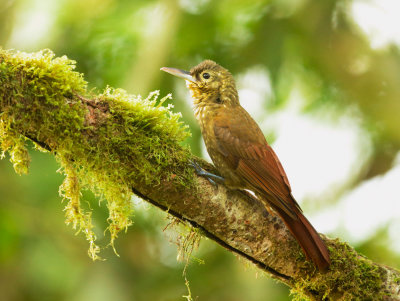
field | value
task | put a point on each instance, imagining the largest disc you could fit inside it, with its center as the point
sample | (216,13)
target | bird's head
(209,83)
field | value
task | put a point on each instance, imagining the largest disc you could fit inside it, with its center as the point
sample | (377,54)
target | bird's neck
(208,103)
(204,110)
(229,94)
(202,102)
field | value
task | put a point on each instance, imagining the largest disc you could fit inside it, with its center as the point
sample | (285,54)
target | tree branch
(114,140)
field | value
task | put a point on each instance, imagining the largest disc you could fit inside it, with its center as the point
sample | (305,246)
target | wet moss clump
(108,143)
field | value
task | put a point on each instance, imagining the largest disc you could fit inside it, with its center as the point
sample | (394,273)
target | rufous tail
(308,238)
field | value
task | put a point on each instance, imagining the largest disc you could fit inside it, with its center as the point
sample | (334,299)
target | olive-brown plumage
(241,154)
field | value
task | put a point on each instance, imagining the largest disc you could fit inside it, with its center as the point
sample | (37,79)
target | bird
(242,155)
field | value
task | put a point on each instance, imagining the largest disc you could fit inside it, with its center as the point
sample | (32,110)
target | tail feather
(308,238)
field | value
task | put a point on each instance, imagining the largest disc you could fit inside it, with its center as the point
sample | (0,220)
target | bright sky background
(316,155)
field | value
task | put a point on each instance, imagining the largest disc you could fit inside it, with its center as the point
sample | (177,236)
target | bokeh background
(322,78)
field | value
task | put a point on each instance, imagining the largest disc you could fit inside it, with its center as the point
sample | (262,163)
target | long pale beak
(179,73)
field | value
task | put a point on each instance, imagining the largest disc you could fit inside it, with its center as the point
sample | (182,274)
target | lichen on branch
(42,98)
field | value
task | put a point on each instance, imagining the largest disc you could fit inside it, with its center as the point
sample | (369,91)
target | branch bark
(100,134)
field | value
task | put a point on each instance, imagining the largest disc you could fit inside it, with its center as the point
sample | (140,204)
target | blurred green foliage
(310,44)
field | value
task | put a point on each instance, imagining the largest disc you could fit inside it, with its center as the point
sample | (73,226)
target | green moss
(107,143)
(14,144)
(81,221)
(351,277)
(187,239)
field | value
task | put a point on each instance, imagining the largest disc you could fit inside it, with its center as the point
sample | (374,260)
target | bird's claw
(196,167)
(203,173)
(212,182)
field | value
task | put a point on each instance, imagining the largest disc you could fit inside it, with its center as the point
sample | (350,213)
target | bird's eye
(206,75)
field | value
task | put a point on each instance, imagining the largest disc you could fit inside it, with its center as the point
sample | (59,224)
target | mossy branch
(117,145)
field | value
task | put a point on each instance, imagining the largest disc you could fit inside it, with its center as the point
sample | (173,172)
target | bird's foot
(212,178)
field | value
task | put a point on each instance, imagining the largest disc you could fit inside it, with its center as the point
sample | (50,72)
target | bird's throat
(204,111)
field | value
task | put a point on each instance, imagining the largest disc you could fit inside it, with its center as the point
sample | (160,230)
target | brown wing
(244,147)
(246,150)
